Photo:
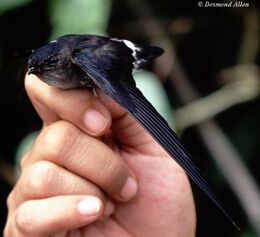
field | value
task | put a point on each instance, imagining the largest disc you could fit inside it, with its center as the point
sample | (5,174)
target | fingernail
(130,189)
(90,206)
(95,121)
(109,209)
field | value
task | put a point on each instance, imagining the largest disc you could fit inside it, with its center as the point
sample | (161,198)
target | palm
(164,203)
(162,207)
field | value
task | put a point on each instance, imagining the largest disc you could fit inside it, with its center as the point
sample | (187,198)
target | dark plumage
(73,61)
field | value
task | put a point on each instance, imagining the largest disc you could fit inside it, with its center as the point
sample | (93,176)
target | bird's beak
(31,70)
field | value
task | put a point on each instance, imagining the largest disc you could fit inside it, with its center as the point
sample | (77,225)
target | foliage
(6,5)
(79,16)
(207,42)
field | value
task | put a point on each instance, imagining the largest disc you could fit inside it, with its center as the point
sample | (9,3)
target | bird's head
(45,58)
(51,62)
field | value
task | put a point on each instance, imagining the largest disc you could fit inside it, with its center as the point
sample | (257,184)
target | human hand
(81,156)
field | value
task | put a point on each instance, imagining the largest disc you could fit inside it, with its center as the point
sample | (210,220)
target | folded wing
(117,83)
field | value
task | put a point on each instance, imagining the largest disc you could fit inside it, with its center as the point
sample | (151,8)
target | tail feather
(144,56)
(149,52)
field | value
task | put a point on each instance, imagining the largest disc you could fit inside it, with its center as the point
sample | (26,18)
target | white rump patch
(132,46)
(134,49)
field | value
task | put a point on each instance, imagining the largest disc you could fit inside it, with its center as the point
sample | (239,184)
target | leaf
(6,5)
(79,16)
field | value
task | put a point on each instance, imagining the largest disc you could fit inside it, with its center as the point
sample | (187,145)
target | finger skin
(161,195)
(45,179)
(44,217)
(53,104)
(132,136)
(67,146)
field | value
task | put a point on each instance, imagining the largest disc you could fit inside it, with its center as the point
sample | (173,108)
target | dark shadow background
(210,45)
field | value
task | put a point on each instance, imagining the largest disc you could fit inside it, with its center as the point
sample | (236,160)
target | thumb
(125,128)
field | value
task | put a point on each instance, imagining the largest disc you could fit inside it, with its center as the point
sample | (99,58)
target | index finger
(79,106)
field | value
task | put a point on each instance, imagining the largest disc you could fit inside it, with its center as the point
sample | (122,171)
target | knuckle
(39,178)
(6,231)
(23,220)
(10,199)
(24,160)
(29,84)
(58,140)
(117,173)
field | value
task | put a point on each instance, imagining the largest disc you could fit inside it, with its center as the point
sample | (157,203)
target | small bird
(73,61)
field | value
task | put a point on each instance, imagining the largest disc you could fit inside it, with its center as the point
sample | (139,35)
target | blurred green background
(206,85)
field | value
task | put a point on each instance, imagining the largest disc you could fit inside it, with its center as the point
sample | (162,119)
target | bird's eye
(51,61)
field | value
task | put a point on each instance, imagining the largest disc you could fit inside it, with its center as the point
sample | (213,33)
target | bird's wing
(132,99)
